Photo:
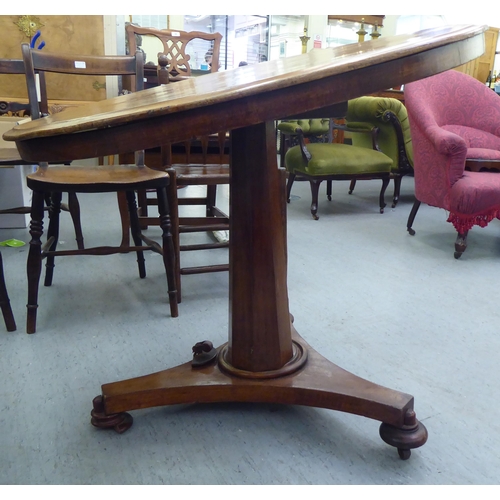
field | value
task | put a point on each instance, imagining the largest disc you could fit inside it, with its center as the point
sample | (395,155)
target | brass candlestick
(304,39)
(375,33)
(361,32)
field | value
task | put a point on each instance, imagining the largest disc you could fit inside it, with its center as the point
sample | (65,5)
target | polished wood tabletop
(248,95)
(265,359)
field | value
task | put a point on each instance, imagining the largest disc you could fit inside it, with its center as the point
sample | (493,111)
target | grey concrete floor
(397,310)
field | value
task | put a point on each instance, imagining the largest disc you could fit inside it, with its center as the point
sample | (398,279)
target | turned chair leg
(74,210)
(52,236)
(412,216)
(460,244)
(169,253)
(291,178)
(136,231)
(34,263)
(7,313)
(385,183)
(397,190)
(314,195)
(124,218)
(173,206)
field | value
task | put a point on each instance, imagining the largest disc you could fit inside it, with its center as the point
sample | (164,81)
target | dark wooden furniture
(10,156)
(214,219)
(265,360)
(183,173)
(197,161)
(83,179)
(173,50)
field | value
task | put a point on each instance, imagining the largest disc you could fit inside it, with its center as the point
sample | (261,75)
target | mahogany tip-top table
(265,359)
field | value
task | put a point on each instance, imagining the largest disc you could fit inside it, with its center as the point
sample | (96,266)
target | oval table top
(246,95)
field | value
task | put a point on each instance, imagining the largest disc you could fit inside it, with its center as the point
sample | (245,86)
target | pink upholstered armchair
(455,130)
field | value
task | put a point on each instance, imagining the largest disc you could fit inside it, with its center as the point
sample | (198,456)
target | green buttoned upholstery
(315,129)
(314,126)
(391,118)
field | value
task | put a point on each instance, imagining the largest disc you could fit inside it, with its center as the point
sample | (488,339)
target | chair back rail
(175,44)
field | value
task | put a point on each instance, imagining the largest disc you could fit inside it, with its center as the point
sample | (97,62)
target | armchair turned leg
(411,217)
(397,190)
(291,178)
(460,244)
(314,194)
(385,183)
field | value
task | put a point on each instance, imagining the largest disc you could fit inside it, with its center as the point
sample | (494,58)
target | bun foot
(412,434)
(119,422)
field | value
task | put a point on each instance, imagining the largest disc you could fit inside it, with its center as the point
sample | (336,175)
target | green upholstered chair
(317,162)
(390,117)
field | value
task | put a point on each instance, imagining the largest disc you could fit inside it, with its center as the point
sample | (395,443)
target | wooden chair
(203,161)
(84,179)
(9,156)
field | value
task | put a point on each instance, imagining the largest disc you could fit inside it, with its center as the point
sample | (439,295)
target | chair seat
(337,159)
(475,193)
(101,178)
(201,174)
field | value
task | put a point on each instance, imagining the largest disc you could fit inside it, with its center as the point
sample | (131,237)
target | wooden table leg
(265,360)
